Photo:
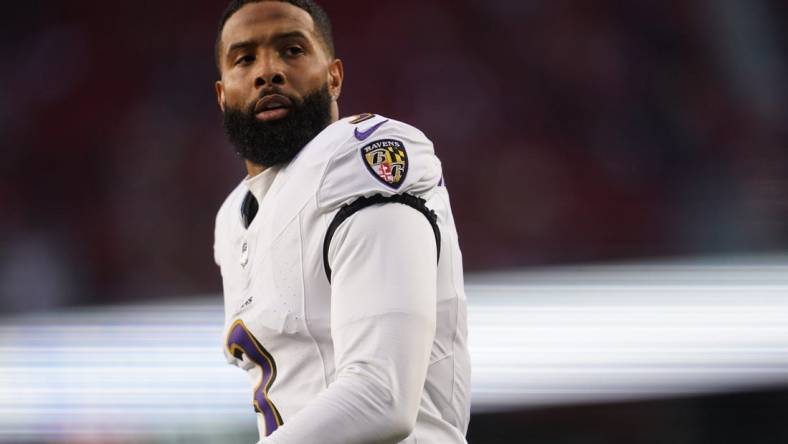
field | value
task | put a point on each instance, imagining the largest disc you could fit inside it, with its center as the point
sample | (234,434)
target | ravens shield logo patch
(387,160)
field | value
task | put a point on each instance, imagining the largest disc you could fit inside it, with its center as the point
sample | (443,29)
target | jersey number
(240,341)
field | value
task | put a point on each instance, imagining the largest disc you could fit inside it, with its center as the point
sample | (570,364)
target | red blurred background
(570,132)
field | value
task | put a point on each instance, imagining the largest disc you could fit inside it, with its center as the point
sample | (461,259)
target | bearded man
(341,269)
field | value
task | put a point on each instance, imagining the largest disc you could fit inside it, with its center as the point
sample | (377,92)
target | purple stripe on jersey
(241,342)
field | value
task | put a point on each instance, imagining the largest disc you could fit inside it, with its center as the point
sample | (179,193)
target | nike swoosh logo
(363,135)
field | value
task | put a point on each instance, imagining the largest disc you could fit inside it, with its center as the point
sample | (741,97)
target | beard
(278,142)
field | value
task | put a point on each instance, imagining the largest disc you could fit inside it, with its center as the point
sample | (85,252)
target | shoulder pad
(381,156)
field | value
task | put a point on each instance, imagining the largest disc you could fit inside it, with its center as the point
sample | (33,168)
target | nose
(271,74)
(273,79)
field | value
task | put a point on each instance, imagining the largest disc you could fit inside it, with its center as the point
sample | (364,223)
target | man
(342,274)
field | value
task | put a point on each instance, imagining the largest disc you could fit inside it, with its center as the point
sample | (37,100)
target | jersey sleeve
(383,320)
(383,156)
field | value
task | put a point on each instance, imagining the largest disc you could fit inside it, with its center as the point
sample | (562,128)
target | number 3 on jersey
(240,341)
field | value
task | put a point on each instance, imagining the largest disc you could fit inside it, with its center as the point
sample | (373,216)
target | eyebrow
(251,43)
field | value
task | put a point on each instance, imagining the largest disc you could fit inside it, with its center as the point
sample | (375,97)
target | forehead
(259,20)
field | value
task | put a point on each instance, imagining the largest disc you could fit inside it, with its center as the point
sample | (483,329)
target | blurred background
(571,134)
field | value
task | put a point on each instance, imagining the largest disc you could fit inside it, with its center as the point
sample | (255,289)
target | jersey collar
(261,183)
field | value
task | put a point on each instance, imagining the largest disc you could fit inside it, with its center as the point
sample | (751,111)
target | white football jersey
(325,357)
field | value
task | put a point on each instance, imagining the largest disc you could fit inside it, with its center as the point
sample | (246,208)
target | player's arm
(383,311)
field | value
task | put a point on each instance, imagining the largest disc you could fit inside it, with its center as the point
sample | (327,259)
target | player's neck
(253,169)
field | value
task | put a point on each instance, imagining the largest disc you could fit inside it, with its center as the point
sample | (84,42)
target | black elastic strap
(364,202)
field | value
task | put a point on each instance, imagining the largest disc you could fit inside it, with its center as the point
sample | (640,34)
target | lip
(264,112)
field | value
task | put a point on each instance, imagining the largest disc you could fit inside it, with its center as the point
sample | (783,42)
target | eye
(294,51)
(245,60)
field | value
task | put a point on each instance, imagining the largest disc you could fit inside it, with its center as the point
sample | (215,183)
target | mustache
(271,91)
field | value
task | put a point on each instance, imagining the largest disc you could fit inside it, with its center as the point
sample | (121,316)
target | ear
(336,74)
(220,94)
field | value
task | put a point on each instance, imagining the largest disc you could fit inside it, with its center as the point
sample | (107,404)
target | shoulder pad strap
(364,202)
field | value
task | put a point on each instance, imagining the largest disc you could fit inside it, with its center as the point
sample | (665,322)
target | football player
(342,274)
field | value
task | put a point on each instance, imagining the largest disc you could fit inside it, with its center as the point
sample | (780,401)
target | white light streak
(539,338)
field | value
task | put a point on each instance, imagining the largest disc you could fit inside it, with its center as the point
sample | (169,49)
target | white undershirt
(383,310)
(259,184)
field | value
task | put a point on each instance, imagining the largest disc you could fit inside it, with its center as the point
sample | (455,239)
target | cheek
(310,80)
(236,89)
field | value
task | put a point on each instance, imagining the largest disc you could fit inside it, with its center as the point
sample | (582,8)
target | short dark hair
(318,14)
